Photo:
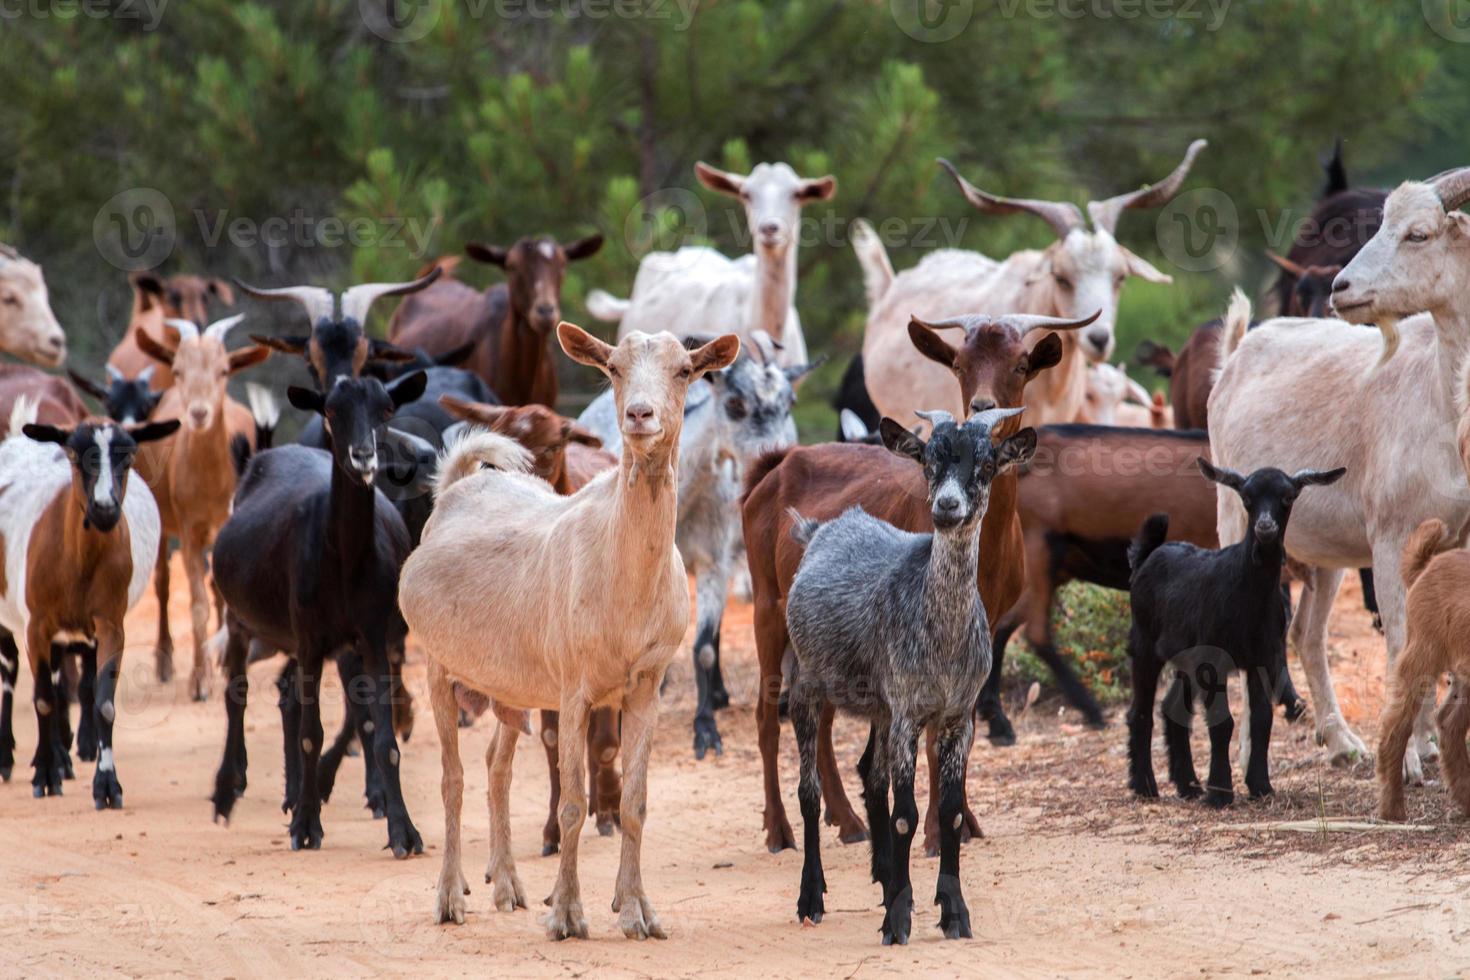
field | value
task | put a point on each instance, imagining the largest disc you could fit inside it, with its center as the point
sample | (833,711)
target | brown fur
(1194,377)
(56,401)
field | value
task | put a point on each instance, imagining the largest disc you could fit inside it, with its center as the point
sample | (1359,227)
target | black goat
(1208,613)
(309,563)
(127,401)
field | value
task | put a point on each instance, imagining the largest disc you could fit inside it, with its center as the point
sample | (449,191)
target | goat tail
(446,264)
(802,528)
(266,412)
(1155,531)
(605,306)
(1429,539)
(760,469)
(477,449)
(22,414)
(1237,322)
(873,257)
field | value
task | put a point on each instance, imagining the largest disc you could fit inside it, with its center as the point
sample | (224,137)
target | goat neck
(949,581)
(1055,396)
(775,291)
(351,512)
(522,354)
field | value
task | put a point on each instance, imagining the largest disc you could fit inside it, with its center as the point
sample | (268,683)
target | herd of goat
(542,562)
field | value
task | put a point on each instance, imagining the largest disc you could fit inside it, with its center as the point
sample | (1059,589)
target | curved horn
(113,374)
(1453,187)
(219,329)
(145,375)
(1286,265)
(1025,322)
(1105,213)
(1063,216)
(935,418)
(992,417)
(953,323)
(319,303)
(1139,393)
(187,329)
(357,300)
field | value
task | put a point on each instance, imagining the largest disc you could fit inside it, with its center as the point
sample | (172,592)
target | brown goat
(1437,575)
(510,322)
(551,439)
(993,367)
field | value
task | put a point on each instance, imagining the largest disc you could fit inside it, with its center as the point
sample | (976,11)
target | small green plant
(1091,625)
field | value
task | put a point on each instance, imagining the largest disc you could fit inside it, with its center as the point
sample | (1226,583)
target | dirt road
(1072,878)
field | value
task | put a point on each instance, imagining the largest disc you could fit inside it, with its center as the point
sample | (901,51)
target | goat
(1084,270)
(856,412)
(1311,291)
(885,625)
(1437,576)
(697,291)
(1281,390)
(509,323)
(1111,394)
(730,419)
(992,366)
(157,300)
(126,400)
(1207,614)
(192,475)
(1157,356)
(550,437)
(28,328)
(563,638)
(76,550)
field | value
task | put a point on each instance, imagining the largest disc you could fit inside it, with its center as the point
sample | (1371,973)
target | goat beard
(1389,327)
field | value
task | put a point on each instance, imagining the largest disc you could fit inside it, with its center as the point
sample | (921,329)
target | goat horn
(145,375)
(1453,187)
(1287,265)
(935,418)
(319,303)
(113,374)
(1025,322)
(357,300)
(188,329)
(1105,214)
(219,329)
(1063,216)
(765,346)
(992,417)
(1140,394)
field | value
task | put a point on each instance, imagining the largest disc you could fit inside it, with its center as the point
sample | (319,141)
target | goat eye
(612,371)
(1416,237)
(686,373)
(12,301)
(1064,282)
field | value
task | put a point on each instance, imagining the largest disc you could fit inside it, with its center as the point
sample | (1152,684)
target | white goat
(28,328)
(1082,271)
(1113,398)
(1298,393)
(698,291)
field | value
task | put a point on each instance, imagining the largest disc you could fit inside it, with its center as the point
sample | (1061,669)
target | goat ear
(478,413)
(1143,269)
(152,348)
(716,355)
(148,288)
(153,431)
(491,254)
(816,189)
(575,433)
(1016,450)
(1046,354)
(305,399)
(222,291)
(582,347)
(582,248)
(930,344)
(719,181)
(46,433)
(286,345)
(1220,474)
(88,385)
(408,388)
(1318,478)
(384,352)
(247,357)
(900,441)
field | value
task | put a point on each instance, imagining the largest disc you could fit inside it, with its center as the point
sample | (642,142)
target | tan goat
(568,603)
(192,474)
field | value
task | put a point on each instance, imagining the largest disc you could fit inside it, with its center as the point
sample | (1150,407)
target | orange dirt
(1073,877)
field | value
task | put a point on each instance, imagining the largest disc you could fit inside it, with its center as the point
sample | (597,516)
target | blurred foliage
(1091,625)
(511,117)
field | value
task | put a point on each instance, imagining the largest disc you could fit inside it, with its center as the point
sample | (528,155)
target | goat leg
(989,707)
(1141,718)
(163,653)
(1258,770)
(954,750)
(9,672)
(47,778)
(873,768)
(771,641)
(898,920)
(551,831)
(1453,719)
(229,780)
(806,706)
(376,725)
(1178,712)
(604,784)
(61,723)
(449,905)
(106,790)
(290,732)
(969,827)
(306,816)
(86,714)
(1220,788)
(636,917)
(840,814)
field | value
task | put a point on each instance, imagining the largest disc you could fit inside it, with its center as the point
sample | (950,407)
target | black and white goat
(1207,614)
(887,625)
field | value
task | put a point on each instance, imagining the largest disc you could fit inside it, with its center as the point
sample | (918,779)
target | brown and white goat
(562,637)
(193,474)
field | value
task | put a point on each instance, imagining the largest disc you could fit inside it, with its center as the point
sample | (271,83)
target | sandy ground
(1073,876)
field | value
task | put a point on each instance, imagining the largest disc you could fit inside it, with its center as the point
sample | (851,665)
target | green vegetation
(1092,633)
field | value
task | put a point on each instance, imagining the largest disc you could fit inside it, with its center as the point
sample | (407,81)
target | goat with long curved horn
(1063,216)
(319,302)
(220,329)
(1028,322)
(1105,214)
(357,299)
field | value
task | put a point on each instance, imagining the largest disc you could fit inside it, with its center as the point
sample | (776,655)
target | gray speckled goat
(887,626)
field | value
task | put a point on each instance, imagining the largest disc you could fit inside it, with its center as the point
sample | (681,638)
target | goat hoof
(810,907)
(1190,791)
(508,893)
(404,839)
(637,919)
(1144,787)
(164,660)
(547,849)
(706,737)
(1261,790)
(779,838)
(854,835)
(1393,812)
(46,782)
(1002,737)
(106,790)
(565,921)
(605,827)
(306,832)
(1219,799)
(897,922)
(6,772)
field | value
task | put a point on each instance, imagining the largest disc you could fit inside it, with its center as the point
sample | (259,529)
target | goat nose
(1098,337)
(770,228)
(978,404)
(1341,285)
(639,412)
(199,415)
(545,310)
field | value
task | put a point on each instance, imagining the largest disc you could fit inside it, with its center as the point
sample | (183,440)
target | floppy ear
(900,441)
(716,355)
(492,254)
(1143,269)
(148,288)
(46,433)
(719,181)
(384,352)
(89,386)
(1318,478)
(573,432)
(305,399)
(583,248)
(247,357)
(408,388)
(222,291)
(1221,475)
(582,347)
(286,345)
(480,413)
(152,431)
(153,348)
(1046,354)
(1016,450)
(930,344)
